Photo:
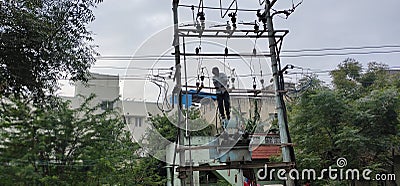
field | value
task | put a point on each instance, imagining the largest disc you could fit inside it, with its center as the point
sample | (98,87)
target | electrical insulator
(226,51)
(197,50)
(259,13)
(261,17)
(233,19)
(254,51)
(262,81)
(198,27)
(202,18)
(256,27)
(233,80)
(228,26)
(202,78)
(254,83)
(197,84)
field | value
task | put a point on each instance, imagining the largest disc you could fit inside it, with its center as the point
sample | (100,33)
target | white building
(106,88)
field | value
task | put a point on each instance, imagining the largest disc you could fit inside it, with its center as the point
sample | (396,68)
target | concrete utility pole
(284,134)
(178,79)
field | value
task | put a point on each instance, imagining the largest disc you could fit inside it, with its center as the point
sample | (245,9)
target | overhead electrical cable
(325,50)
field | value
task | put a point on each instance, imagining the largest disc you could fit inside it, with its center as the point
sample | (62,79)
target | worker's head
(215,71)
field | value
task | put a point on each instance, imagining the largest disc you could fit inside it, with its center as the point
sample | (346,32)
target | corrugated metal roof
(265,152)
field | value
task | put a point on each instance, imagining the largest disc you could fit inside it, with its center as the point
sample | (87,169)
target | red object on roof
(265,152)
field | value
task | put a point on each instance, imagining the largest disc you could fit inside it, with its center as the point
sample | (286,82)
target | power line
(120,78)
(148,57)
(133,68)
(310,72)
(152,58)
(157,58)
(342,48)
(340,54)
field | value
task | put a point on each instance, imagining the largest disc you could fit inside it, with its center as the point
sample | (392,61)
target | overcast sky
(127,27)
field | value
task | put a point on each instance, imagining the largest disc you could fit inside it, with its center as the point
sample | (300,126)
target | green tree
(345,78)
(358,119)
(254,118)
(163,127)
(317,118)
(42,41)
(53,144)
(149,171)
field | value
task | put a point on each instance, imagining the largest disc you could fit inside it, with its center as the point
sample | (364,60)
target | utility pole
(283,132)
(200,31)
(178,79)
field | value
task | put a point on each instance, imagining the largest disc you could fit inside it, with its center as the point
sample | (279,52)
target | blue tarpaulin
(189,98)
(194,96)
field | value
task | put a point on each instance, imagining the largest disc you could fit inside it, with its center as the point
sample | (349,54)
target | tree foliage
(163,133)
(164,127)
(358,119)
(42,41)
(53,144)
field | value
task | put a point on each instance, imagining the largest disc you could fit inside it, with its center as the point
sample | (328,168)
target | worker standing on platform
(220,81)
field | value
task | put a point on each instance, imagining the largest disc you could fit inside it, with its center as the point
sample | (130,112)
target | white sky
(122,26)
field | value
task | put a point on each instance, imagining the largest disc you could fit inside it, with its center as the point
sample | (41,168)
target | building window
(128,119)
(272,140)
(106,105)
(138,121)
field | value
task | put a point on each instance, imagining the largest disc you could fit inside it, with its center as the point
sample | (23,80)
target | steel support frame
(275,42)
